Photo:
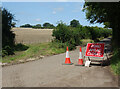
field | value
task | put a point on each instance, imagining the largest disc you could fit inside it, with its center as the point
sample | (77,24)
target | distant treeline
(73,23)
(39,26)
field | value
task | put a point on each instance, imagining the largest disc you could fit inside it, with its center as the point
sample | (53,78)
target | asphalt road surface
(49,72)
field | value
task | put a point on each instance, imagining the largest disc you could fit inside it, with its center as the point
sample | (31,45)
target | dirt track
(49,72)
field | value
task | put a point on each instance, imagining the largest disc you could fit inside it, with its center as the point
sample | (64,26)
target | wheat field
(32,36)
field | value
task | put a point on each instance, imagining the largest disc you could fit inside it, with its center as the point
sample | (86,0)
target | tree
(27,26)
(37,26)
(13,24)
(107,24)
(74,23)
(48,25)
(7,35)
(102,12)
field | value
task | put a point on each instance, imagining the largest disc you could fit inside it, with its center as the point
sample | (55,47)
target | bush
(7,50)
(62,33)
(20,47)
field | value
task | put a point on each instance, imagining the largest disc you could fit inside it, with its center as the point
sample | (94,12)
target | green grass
(34,50)
(115,62)
(85,41)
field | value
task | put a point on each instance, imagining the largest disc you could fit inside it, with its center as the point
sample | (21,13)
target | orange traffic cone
(80,60)
(67,60)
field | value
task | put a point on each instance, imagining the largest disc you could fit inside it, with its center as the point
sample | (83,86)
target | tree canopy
(27,26)
(7,35)
(74,23)
(48,25)
(37,26)
(105,12)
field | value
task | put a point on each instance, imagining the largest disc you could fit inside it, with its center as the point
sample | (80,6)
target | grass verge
(35,50)
(24,52)
(85,41)
(115,62)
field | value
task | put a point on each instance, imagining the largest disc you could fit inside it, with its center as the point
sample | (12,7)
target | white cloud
(38,20)
(59,9)
(54,12)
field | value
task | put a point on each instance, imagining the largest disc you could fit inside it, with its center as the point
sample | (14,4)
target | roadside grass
(24,52)
(115,62)
(85,41)
(34,50)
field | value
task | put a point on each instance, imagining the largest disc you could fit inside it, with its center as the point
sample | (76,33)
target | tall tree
(7,35)
(74,23)
(102,12)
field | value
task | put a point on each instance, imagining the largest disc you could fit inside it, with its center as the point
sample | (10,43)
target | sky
(41,12)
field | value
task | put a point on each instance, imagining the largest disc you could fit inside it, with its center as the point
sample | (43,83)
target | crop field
(32,36)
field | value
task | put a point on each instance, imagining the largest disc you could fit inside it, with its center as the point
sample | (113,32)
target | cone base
(67,64)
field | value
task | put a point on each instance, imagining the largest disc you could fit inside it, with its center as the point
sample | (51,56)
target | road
(49,72)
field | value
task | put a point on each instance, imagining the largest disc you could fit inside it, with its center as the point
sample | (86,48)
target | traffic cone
(80,60)
(67,60)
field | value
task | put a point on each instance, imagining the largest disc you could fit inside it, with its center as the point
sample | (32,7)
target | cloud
(59,9)
(54,12)
(38,20)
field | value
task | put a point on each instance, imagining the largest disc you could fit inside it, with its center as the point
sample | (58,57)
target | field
(30,36)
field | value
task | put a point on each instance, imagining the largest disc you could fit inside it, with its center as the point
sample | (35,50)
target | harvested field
(31,36)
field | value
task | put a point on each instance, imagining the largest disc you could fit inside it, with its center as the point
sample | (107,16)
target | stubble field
(32,36)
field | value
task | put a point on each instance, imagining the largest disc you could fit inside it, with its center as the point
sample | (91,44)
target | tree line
(73,23)
(39,26)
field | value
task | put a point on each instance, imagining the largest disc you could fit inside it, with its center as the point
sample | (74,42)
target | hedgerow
(72,36)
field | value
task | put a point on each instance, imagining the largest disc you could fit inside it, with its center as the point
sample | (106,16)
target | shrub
(62,33)
(20,47)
